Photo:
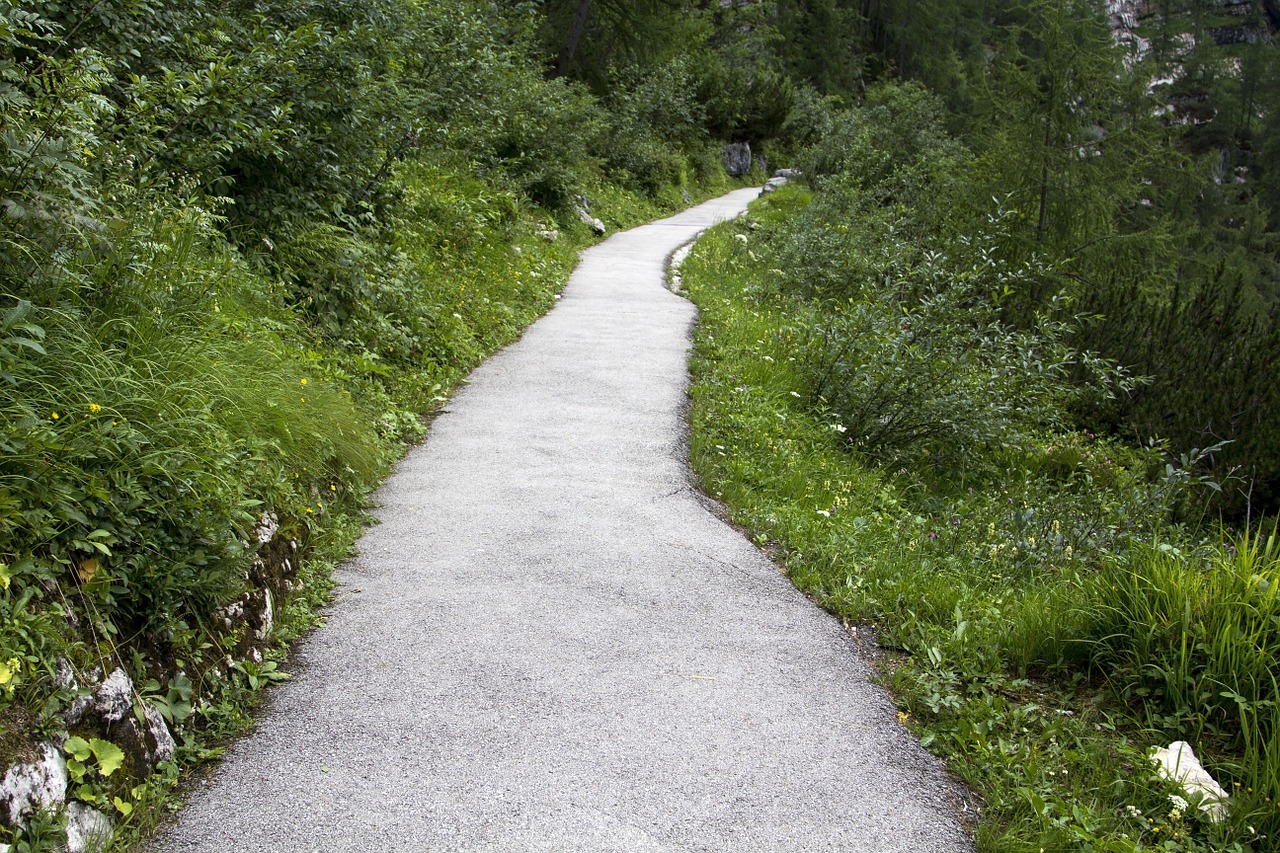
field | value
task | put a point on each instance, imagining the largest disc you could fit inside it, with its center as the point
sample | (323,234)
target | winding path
(550,644)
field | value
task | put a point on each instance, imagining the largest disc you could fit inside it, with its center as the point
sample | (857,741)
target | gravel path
(550,644)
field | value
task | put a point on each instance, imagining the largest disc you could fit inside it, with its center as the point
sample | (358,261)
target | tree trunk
(575,37)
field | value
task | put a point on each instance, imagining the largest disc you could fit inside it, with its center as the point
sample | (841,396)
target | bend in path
(549,643)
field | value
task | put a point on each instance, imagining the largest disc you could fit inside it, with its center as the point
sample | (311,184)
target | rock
(114,697)
(88,830)
(737,158)
(587,219)
(789,174)
(684,194)
(582,206)
(267,618)
(549,234)
(66,679)
(268,526)
(29,787)
(165,747)
(772,184)
(233,614)
(1179,763)
(65,676)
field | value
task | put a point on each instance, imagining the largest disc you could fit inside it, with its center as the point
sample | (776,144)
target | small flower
(332,487)
(94,408)
(303,381)
(54,416)
(903,716)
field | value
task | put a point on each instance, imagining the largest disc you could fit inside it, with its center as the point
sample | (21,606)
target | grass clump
(1051,610)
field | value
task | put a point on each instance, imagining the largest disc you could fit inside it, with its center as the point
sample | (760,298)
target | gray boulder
(780,179)
(30,787)
(114,697)
(88,830)
(737,158)
(582,206)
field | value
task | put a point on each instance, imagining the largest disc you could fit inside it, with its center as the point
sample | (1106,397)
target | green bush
(925,362)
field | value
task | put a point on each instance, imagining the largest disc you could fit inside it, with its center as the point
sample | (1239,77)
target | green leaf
(110,756)
(124,808)
(78,747)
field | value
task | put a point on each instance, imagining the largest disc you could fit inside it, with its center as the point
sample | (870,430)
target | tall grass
(1191,639)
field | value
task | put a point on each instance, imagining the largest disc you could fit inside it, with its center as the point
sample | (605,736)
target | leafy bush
(925,362)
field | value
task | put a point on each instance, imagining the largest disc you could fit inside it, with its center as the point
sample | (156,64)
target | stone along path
(549,643)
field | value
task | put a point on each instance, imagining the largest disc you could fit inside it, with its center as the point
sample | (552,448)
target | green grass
(1045,638)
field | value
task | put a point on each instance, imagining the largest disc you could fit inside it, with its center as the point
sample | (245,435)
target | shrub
(924,361)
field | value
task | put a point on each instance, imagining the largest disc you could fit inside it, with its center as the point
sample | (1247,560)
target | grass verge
(1049,635)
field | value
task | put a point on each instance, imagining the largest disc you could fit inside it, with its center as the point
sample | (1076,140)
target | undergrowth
(1054,618)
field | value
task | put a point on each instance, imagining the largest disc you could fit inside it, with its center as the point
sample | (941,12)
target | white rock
(165,746)
(267,528)
(267,617)
(587,219)
(114,697)
(28,787)
(88,830)
(66,679)
(1178,762)
(772,184)
(582,206)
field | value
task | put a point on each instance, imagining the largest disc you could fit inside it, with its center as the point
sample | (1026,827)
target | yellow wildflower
(54,416)
(94,408)
(8,670)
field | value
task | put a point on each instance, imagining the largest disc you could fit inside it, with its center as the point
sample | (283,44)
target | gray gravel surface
(550,644)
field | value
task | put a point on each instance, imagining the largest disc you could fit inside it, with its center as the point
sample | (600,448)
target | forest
(1028,297)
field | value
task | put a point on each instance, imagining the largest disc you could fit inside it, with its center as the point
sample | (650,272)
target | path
(549,644)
